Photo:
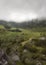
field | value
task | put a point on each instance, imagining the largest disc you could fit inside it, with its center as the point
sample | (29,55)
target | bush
(39,42)
(31,48)
(44,51)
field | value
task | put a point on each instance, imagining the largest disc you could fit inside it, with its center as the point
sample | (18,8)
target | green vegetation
(1,27)
(24,46)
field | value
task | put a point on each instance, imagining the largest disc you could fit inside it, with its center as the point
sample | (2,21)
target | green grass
(12,41)
(1,27)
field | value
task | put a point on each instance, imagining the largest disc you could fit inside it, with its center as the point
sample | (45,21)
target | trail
(23,43)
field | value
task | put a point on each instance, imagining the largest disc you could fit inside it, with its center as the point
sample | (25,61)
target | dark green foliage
(8,50)
(44,51)
(39,42)
(31,48)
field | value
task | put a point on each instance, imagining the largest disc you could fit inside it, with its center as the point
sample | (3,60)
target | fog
(22,10)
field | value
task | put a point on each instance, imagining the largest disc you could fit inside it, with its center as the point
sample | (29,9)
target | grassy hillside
(1,27)
(25,44)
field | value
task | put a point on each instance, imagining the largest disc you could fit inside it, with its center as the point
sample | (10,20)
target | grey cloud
(37,6)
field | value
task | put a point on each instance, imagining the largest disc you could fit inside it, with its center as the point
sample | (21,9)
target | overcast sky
(21,10)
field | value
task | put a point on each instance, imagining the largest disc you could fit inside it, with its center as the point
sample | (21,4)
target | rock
(42,38)
(38,63)
(3,60)
(0,62)
(25,50)
(1,53)
(15,57)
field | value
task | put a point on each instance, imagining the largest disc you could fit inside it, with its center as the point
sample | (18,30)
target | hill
(27,24)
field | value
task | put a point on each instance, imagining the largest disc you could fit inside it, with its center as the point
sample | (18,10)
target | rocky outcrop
(6,59)
(3,58)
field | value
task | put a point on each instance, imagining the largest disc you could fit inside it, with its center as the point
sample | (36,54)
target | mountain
(5,24)
(27,24)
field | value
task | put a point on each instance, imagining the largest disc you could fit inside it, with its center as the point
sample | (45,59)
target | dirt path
(23,43)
